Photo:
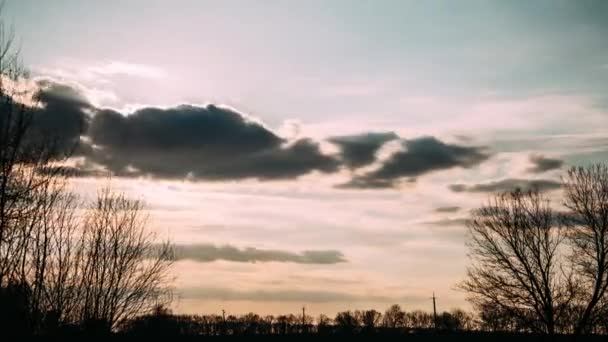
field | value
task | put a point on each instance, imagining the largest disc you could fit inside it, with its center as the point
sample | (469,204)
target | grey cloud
(218,143)
(452,229)
(209,252)
(214,293)
(508,184)
(570,218)
(420,156)
(73,171)
(448,222)
(202,143)
(542,164)
(367,183)
(360,150)
(187,141)
(214,128)
(59,119)
(451,209)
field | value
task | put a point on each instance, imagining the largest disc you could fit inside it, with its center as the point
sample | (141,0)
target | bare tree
(394,317)
(370,319)
(419,319)
(26,150)
(324,324)
(347,322)
(61,251)
(104,269)
(586,196)
(15,165)
(516,252)
(124,272)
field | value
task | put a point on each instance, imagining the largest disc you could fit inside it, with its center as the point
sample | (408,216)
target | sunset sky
(319,153)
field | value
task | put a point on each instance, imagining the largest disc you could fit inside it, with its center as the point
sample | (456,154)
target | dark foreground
(424,336)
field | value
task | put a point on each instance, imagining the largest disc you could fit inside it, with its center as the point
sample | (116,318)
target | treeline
(392,321)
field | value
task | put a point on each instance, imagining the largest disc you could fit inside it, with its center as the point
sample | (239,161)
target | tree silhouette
(515,250)
(370,320)
(586,196)
(123,271)
(394,317)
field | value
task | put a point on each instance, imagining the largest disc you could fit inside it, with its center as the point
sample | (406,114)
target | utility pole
(434,311)
(224,326)
(303,318)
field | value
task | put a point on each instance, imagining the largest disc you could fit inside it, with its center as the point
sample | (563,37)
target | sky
(319,153)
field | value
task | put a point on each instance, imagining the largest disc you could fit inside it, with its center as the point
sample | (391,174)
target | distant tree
(287,324)
(250,324)
(393,317)
(160,322)
(347,322)
(455,320)
(495,318)
(264,325)
(324,324)
(464,320)
(370,320)
(419,319)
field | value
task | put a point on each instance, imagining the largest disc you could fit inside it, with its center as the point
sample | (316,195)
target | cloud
(508,184)
(59,116)
(129,69)
(448,222)
(452,209)
(210,142)
(72,171)
(209,253)
(360,150)
(449,229)
(367,183)
(542,164)
(300,296)
(200,142)
(419,156)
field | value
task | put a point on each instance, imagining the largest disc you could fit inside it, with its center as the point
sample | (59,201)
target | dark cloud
(209,128)
(209,252)
(73,171)
(360,150)
(542,164)
(420,156)
(186,141)
(58,119)
(208,142)
(447,209)
(508,185)
(219,143)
